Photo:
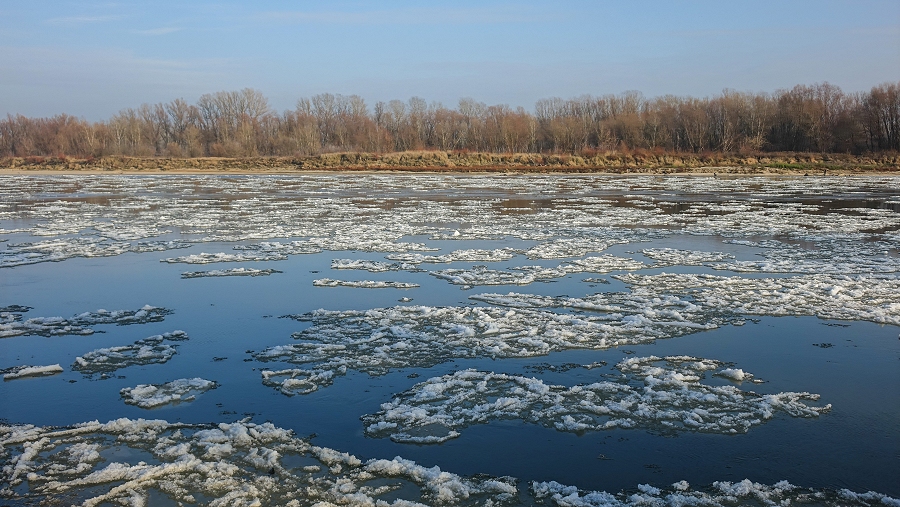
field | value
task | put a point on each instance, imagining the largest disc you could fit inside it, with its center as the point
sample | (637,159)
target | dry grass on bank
(452,161)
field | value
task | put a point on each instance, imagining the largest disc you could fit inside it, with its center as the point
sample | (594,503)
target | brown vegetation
(639,161)
(609,132)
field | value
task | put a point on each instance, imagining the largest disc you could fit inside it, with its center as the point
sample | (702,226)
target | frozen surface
(858,297)
(229,272)
(720,494)
(364,284)
(176,391)
(380,340)
(145,351)
(658,394)
(229,464)
(30,371)
(128,461)
(524,275)
(12,323)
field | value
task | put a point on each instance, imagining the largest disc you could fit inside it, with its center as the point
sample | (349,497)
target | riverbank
(465,162)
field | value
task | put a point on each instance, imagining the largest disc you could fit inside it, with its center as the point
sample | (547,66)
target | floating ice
(368,213)
(364,284)
(524,275)
(146,351)
(858,297)
(229,464)
(471,255)
(675,257)
(720,494)
(60,249)
(380,340)
(656,394)
(832,254)
(209,258)
(176,391)
(11,323)
(128,461)
(229,272)
(372,266)
(277,248)
(30,371)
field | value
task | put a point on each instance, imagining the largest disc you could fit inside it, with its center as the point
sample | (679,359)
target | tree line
(818,118)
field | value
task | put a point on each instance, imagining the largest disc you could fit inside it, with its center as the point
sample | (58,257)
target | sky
(93,59)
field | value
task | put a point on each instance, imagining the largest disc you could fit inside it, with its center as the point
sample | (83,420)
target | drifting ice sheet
(30,371)
(380,340)
(229,272)
(176,391)
(247,464)
(146,351)
(658,394)
(363,284)
(11,323)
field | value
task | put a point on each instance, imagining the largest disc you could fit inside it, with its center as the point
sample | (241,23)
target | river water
(567,340)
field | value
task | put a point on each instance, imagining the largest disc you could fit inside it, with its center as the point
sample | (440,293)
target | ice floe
(659,394)
(229,272)
(719,494)
(380,340)
(676,257)
(524,275)
(859,297)
(470,255)
(11,323)
(60,249)
(138,214)
(129,461)
(229,464)
(364,284)
(372,266)
(209,258)
(30,371)
(145,351)
(176,391)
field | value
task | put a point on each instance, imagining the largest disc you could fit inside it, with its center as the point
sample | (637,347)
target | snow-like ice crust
(229,464)
(364,284)
(157,395)
(209,258)
(30,371)
(658,394)
(229,272)
(11,323)
(875,298)
(327,213)
(380,340)
(148,350)
(524,275)
(247,464)
(720,494)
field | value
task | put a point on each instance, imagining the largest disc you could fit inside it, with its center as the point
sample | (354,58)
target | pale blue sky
(92,59)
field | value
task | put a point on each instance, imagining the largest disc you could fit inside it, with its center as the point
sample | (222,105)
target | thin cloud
(436,15)
(158,31)
(78,20)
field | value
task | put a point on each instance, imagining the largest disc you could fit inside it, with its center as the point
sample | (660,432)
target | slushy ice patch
(657,394)
(236,464)
(149,350)
(125,461)
(229,272)
(157,395)
(12,323)
(381,340)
